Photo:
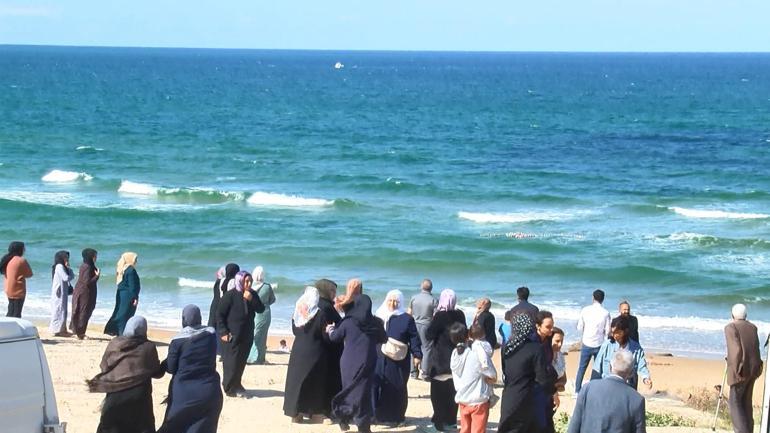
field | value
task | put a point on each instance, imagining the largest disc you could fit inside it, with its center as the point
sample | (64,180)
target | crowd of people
(349,365)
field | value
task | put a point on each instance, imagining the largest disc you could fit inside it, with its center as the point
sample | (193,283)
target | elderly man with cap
(744,366)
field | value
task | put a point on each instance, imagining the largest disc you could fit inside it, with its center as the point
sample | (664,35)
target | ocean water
(642,174)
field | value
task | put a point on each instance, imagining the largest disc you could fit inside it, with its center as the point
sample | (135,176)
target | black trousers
(14,307)
(234,356)
(442,397)
(740,406)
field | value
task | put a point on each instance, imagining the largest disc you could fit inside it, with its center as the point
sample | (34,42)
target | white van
(27,401)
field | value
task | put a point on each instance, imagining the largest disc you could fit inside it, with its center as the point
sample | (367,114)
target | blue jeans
(586,354)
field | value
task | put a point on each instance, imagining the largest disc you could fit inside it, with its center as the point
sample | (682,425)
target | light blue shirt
(608,349)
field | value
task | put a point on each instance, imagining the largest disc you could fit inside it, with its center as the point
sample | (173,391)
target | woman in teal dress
(127,296)
(261,320)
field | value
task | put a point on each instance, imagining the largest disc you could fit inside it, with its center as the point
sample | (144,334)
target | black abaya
(235,316)
(128,411)
(524,368)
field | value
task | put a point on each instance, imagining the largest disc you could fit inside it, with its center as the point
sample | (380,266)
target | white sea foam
(189,282)
(39,197)
(89,148)
(61,176)
(268,199)
(711,213)
(515,217)
(137,188)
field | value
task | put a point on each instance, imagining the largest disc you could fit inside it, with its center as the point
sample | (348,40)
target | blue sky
(493,25)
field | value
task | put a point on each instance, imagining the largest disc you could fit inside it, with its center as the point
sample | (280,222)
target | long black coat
(438,334)
(235,315)
(307,378)
(523,369)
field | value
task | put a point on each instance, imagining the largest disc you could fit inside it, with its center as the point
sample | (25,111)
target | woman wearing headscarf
(261,320)
(61,276)
(390,394)
(525,366)
(127,296)
(354,288)
(84,295)
(486,320)
(361,332)
(305,391)
(235,326)
(327,294)
(225,274)
(442,389)
(16,271)
(128,365)
(194,395)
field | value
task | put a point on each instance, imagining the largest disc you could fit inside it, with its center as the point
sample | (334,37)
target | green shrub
(655,419)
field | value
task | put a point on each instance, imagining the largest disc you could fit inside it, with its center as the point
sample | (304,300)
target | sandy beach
(72,361)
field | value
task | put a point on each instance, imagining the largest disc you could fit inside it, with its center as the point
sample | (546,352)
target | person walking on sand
(61,278)
(594,323)
(361,333)
(127,295)
(16,270)
(84,295)
(609,405)
(421,307)
(129,364)
(194,394)
(744,366)
(261,320)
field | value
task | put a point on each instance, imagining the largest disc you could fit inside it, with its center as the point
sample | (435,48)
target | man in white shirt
(594,323)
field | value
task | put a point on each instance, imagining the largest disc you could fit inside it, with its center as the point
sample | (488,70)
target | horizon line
(361,50)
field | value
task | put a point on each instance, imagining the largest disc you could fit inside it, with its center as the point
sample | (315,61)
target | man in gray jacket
(421,307)
(609,405)
(743,367)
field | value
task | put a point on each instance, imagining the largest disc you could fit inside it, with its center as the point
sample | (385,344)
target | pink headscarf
(447,301)
(355,287)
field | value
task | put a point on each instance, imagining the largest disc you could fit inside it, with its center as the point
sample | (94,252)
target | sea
(645,175)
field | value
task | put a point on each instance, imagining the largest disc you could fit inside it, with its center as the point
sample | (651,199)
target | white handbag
(394,349)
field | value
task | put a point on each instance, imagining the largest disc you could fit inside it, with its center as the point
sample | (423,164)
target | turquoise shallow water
(643,174)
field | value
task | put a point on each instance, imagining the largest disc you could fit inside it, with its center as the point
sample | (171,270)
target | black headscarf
(191,316)
(60,258)
(15,249)
(89,257)
(230,270)
(326,288)
(522,328)
(361,312)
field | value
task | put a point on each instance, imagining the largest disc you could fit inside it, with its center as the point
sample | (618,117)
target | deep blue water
(643,174)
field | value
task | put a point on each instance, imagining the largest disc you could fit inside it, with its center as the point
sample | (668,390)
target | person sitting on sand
(609,405)
(128,365)
(620,341)
(194,394)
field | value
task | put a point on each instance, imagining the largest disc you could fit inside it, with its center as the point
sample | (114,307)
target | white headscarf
(306,307)
(384,311)
(258,275)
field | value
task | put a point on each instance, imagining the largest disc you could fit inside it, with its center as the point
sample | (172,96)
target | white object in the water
(338,65)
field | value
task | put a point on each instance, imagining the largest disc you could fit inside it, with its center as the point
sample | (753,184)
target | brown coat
(743,361)
(16,275)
